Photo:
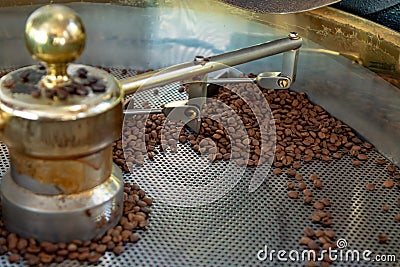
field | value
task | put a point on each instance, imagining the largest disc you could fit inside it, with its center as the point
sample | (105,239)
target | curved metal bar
(192,69)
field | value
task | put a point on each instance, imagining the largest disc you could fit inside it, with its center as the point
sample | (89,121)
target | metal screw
(294,36)
(283,83)
(190,113)
(198,59)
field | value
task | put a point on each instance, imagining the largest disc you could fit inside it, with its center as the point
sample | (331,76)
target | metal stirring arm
(187,71)
(188,111)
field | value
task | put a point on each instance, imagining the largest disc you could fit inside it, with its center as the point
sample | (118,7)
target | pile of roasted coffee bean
(34,253)
(243,144)
(27,82)
(304,132)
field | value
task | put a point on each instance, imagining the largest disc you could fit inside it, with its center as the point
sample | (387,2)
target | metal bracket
(269,80)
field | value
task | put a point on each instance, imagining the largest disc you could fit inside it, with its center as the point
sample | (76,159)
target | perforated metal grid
(231,231)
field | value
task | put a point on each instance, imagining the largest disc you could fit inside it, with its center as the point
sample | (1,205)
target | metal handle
(195,68)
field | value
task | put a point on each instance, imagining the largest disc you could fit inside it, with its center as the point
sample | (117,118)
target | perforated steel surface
(231,231)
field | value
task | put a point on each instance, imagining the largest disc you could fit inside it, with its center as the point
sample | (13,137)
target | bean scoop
(62,184)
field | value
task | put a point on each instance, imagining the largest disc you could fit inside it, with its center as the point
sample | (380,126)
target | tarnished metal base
(62,218)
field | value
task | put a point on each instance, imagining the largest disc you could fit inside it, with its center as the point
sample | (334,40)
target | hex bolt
(198,59)
(294,36)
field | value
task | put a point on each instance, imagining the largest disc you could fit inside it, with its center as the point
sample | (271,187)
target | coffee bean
(134,238)
(315,217)
(308,199)
(49,247)
(319,233)
(141,203)
(328,246)
(382,239)
(309,232)
(325,158)
(293,194)
(391,168)
(356,163)
(308,193)
(302,186)
(33,249)
(290,185)
(297,165)
(84,248)
(101,248)
(143,224)
(327,259)
(313,177)
(308,158)
(305,240)
(12,240)
(62,252)
(380,161)
(327,221)
(388,184)
(82,73)
(82,91)
(110,245)
(313,245)
(291,172)
(362,157)
(397,218)
(385,208)
(98,88)
(94,257)
(337,155)
(324,240)
(298,177)
(33,260)
(317,184)
(46,258)
(277,171)
(319,205)
(326,202)
(72,247)
(309,263)
(61,94)
(22,244)
(14,258)
(118,250)
(83,256)
(370,187)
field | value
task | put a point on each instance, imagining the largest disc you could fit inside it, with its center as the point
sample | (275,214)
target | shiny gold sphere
(55,34)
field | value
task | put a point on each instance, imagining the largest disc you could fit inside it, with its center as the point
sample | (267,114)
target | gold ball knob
(55,34)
